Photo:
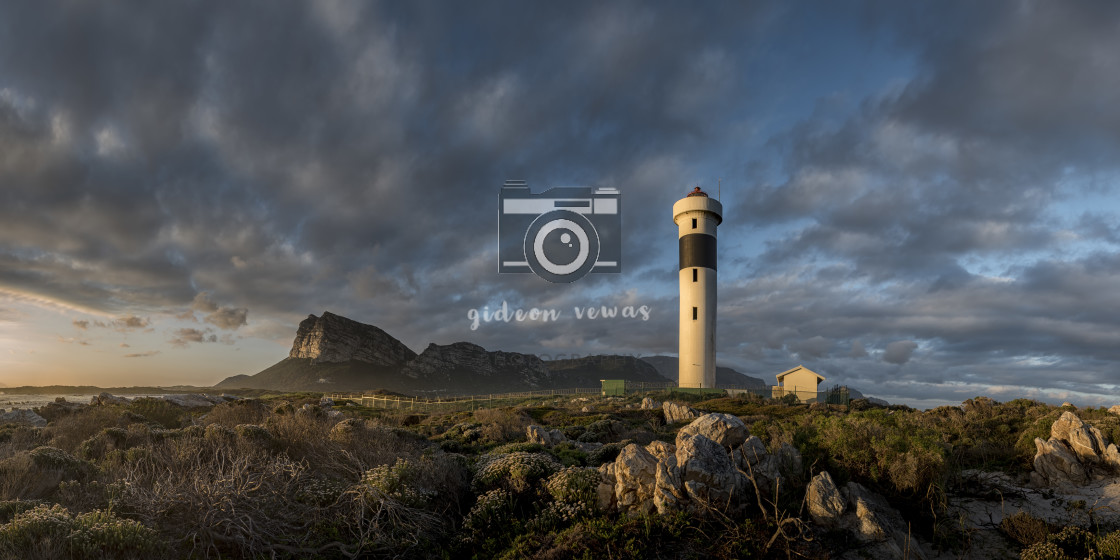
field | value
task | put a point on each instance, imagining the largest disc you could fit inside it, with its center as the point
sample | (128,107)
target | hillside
(725,376)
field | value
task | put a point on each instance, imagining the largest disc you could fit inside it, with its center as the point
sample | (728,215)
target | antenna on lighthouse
(719,189)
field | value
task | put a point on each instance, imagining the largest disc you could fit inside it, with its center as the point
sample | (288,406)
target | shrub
(500,425)
(97,534)
(1074,541)
(516,472)
(233,413)
(1108,546)
(493,510)
(575,485)
(10,508)
(1024,528)
(100,534)
(164,413)
(399,482)
(604,454)
(1043,551)
(69,431)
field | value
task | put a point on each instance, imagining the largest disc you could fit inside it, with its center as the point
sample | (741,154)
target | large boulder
(778,467)
(21,416)
(661,449)
(544,436)
(1084,440)
(880,527)
(650,404)
(1115,409)
(1057,465)
(668,494)
(707,474)
(105,399)
(676,412)
(605,490)
(750,453)
(724,429)
(1111,456)
(1075,454)
(826,503)
(635,472)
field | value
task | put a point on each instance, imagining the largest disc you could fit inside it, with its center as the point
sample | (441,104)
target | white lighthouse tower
(697,216)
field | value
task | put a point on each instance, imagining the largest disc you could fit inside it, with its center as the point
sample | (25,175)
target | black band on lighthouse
(698,249)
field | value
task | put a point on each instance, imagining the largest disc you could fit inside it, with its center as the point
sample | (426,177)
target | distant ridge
(725,376)
(334,353)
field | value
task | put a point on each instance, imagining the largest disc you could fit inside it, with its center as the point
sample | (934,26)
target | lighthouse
(697,217)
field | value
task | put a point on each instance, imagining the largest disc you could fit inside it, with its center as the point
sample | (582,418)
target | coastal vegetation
(297,476)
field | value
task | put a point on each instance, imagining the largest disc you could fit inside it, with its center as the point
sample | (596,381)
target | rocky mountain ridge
(334,353)
(336,339)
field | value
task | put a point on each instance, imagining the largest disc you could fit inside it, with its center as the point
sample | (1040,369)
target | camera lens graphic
(561,246)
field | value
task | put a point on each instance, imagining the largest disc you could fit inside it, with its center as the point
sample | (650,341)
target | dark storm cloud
(225,318)
(899,352)
(929,213)
(273,155)
(183,337)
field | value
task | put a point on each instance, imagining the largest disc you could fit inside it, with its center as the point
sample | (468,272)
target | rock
(450,363)
(605,490)
(196,400)
(707,474)
(326,402)
(59,408)
(332,338)
(778,466)
(105,399)
(635,473)
(675,412)
(1111,456)
(1084,440)
(1057,464)
(661,449)
(826,504)
(878,525)
(1115,409)
(668,494)
(1069,404)
(585,409)
(724,429)
(650,404)
(751,453)
(544,436)
(20,416)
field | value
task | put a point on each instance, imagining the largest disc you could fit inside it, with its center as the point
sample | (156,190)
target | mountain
(463,367)
(725,376)
(335,339)
(333,353)
(589,370)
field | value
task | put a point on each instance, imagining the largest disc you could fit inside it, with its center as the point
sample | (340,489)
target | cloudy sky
(920,198)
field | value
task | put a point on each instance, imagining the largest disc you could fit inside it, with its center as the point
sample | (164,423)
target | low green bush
(96,534)
(517,472)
